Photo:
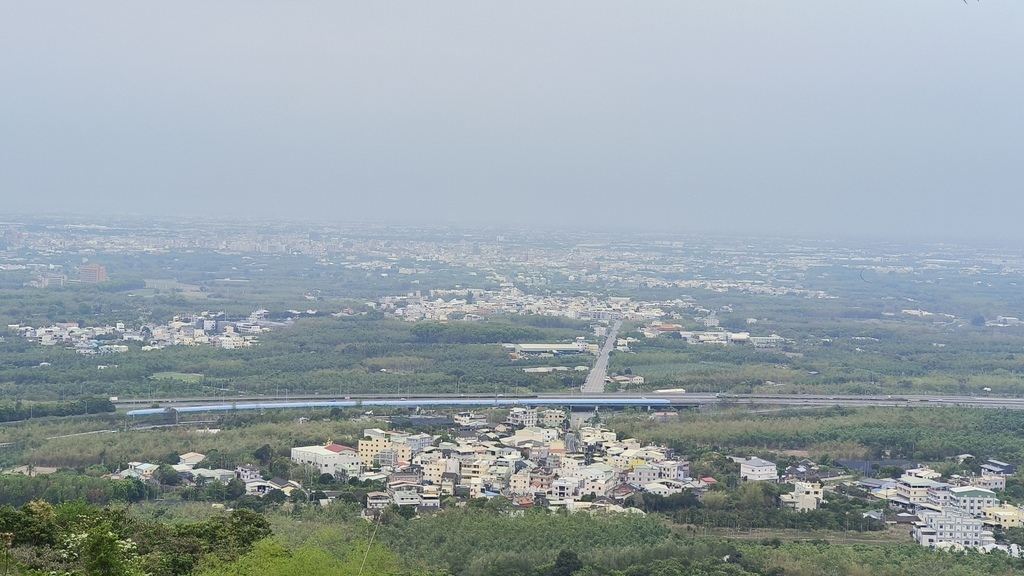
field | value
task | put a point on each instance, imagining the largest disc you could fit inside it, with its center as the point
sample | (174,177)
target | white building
(971,500)
(673,469)
(951,526)
(520,416)
(664,487)
(327,459)
(758,470)
(643,474)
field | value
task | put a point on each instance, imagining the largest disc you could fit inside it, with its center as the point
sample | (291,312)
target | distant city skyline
(875,120)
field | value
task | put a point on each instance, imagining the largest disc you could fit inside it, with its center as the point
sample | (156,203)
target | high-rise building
(92,274)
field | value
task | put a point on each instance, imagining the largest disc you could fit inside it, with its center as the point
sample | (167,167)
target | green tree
(167,476)
(103,554)
(264,454)
(567,563)
(235,489)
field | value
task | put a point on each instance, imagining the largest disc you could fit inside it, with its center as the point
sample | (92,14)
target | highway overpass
(651,401)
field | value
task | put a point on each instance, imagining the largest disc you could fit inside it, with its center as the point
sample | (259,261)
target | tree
(103,554)
(235,489)
(167,476)
(275,496)
(566,563)
(281,468)
(246,527)
(263,454)
(38,524)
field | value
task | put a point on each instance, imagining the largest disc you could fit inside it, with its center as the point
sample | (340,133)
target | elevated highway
(648,401)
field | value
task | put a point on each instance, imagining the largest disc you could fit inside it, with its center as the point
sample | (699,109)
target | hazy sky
(834,118)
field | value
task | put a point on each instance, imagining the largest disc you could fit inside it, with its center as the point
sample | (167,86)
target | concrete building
(951,526)
(328,459)
(380,448)
(673,469)
(643,474)
(804,497)
(520,416)
(1005,516)
(552,418)
(912,490)
(758,470)
(92,274)
(971,500)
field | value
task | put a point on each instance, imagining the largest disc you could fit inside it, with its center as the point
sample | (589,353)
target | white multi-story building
(643,474)
(327,459)
(758,470)
(971,500)
(938,494)
(598,479)
(566,488)
(951,526)
(673,469)
(520,416)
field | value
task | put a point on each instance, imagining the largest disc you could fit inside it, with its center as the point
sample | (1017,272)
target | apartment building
(380,448)
(804,497)
(520,416)
(971,500)
(643,474)
(913,490)
(951,526)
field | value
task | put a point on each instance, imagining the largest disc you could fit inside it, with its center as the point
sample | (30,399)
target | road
(595,380)
(649,400)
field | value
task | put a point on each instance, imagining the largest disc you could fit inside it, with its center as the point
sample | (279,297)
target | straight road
(595,380)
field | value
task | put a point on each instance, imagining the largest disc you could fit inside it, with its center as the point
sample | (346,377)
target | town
(534,459)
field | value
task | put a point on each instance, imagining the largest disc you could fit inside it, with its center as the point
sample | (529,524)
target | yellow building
(1005,516)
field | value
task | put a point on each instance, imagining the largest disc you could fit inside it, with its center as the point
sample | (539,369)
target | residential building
(377,500)
(520,416)
(566,488)
(1005,516)
(643,474)
(673,469)
(998,468)
(989,481)
(247,473)
(380,448)
(758,470)
(938,494)
(519,483)
(805,496)
(971,500)
(951,526)
(552,418)
(913,490)
(664,487)
(327,459)
(191,458)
